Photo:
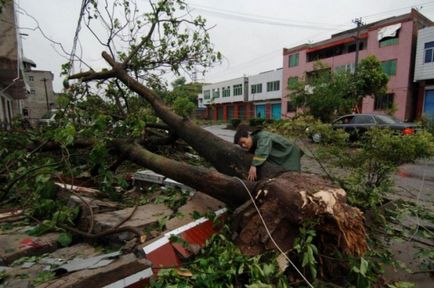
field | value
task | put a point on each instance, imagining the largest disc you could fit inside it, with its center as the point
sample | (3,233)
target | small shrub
(256,122)
(428,123)
(235,122)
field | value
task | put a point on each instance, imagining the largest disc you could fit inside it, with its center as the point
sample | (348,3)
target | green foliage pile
(221,264)
(365,170)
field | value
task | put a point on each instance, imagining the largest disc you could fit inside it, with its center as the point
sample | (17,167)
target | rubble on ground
(168,236)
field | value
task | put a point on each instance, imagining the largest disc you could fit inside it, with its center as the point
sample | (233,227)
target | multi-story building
(424,72)
(227,99)
(12,85)
(41,98)
(392,41)
(245,97)
(265,94)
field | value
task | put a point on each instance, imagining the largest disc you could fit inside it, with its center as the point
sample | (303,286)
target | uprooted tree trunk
(284,200)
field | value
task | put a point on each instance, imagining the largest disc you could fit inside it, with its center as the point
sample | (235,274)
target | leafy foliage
(305,247)
(365,169)
(221,264)
(325,94)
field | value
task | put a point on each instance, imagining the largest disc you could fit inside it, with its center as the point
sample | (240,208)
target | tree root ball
(287,200)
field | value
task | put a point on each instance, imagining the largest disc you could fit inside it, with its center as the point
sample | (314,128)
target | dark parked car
(357,124)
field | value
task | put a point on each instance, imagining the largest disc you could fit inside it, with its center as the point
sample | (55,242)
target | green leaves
(65,135)
(305,247)
(221,264)
(65,239)
(325,93)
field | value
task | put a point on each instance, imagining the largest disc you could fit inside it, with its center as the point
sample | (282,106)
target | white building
(424,72)
(265,92)
(245,97)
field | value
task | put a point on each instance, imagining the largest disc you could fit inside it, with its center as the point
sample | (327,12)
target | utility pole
(46,94)
(359,23)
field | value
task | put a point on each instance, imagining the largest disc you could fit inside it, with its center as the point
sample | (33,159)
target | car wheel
(316,137)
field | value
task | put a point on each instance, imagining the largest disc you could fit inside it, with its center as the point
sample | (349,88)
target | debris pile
(166,238)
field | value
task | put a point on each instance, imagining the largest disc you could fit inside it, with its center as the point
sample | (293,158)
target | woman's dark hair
(242,131)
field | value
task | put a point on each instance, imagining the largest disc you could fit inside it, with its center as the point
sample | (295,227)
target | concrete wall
(423,71)
(264,78)
(36,103)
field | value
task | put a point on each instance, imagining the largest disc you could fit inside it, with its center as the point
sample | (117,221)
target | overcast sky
(249,33)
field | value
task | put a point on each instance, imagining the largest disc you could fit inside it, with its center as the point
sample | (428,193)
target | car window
(344,120)
(363,119)
(383,119)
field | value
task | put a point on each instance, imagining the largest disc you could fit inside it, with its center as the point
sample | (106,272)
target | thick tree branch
(226,157)
(92,75)
(215,184)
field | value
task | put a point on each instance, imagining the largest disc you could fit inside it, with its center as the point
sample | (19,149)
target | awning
(388,31)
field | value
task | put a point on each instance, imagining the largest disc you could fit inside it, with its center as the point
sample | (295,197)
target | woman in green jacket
(268,146)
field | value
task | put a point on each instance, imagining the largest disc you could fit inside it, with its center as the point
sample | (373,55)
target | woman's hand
(252,173)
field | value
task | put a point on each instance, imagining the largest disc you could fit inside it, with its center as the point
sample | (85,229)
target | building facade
(257,96)
(227,99)
(265,92)
(424,72)
(41,98)
(12,85)
(392,41)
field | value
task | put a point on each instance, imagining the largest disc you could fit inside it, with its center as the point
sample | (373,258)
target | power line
(258,19)
(398,9)
(275,50)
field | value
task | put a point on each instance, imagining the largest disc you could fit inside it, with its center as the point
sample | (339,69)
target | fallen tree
(291,197)
(284,200)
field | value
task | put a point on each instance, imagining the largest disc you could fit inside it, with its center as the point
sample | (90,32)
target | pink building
(392,41)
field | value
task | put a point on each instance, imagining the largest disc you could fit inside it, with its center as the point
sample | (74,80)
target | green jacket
(276,149)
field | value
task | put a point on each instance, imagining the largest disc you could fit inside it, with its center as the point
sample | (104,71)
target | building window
(345,68)
(389,67)
(273,86)
(388,41)
(32,91)
(206,94)
(216,93)
(293,60)
(226,91)
(292,82)
(31,78)
(429,52)
(384,102)
(256,88)
(389,35)
(238,89)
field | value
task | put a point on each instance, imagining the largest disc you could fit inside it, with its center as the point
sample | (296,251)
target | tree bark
(225,188)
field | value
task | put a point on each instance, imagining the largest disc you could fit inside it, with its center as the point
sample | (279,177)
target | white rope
(271,237)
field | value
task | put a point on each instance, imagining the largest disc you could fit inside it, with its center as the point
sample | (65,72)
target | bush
(294,127)
(235,122)
(428,123)
(256,122)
